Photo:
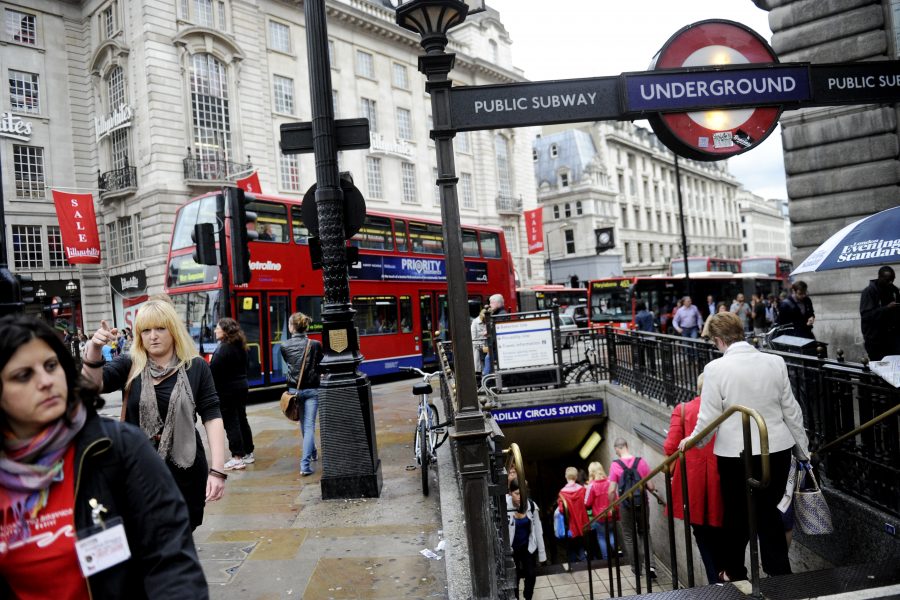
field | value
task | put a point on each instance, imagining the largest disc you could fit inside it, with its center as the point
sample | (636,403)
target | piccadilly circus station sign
(715,89)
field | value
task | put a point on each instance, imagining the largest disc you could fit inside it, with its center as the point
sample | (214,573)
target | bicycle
(426,442)
(764,341)
(584,371)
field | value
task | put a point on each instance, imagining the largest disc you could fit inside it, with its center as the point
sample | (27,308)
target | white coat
(747,377)
(536,537)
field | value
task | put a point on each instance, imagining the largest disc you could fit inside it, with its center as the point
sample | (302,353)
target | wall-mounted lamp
(590,444)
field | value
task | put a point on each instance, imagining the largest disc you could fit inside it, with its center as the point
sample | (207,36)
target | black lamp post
(351,467)
(431,19)
(10,292)
(72,289)
(41,296)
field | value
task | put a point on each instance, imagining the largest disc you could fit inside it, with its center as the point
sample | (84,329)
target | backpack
(629,479)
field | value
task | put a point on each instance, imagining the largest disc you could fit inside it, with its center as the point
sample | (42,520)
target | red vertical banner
(534,225)
(250,183)
(78,227)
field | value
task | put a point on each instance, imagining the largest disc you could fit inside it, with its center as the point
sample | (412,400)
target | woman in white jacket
(747,377)
(526,537)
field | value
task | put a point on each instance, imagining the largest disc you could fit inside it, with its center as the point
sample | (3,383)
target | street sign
(717,134)
(350,134)
(354,207)
(856,83)
(542,103)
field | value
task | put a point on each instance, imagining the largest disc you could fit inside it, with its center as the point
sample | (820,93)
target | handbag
(811,512)
(290,403)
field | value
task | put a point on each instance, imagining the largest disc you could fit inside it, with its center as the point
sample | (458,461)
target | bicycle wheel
(424,455)
(585,374)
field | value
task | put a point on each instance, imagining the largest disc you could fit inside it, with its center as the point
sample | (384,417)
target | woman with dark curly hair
(64,471)
(229,370)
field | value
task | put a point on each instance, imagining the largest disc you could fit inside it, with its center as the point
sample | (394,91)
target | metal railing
(613,566)
(117,179)
(508,204)
(213,169)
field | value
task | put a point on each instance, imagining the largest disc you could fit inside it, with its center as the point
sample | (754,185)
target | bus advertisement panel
(701,264)
(398,287)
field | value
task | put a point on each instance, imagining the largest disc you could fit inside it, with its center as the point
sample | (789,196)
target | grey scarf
(177,441)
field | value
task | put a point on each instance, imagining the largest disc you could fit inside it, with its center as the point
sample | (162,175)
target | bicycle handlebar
(424,374)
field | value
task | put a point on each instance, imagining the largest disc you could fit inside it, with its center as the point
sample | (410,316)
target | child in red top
(571,504)
(597,499)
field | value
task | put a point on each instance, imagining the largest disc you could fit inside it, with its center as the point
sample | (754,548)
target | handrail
(860,429)
(515,457)
(762,482)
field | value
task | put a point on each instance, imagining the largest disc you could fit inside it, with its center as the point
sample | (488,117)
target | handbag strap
(303,363)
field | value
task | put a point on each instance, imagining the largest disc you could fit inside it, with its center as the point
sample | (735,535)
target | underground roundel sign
(714,134)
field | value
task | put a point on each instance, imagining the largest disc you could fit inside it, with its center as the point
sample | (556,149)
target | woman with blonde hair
(597,499)
(165,384)
(302,356)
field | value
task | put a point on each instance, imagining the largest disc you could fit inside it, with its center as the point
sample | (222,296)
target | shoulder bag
(290,404)
(810,509)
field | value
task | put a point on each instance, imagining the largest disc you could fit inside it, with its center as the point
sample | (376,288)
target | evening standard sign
(523,104)
(679,91)
(549,412)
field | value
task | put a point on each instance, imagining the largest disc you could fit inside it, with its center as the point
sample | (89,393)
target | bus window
(375,234)
(475,306)
(184,271)
(406,314)
(470,243)
(426,238)
(201,211)
(201,312)
(301,233)
(490,244)
(375,315)
(311,306)
(271,221)
(400,235)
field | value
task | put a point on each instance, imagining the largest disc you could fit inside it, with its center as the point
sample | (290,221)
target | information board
(524,343)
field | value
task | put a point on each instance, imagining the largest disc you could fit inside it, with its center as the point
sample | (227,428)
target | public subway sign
(549,412)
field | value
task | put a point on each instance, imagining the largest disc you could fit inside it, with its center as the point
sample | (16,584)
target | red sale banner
(534,225)
(78,227)
(250,183)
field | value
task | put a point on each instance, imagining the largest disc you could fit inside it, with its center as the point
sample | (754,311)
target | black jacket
(292,351)
(789,314)
(878,322)
(115,464)
(229,369)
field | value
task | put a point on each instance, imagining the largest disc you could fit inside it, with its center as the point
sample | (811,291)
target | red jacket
(702,470)
(576,516)
(597,499)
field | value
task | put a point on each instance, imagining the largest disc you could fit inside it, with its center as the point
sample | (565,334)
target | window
(221,10)
(28,164)
(465,185)
(57,250)
(568,210)
(369,110)
(554,151)
(556,211)
(290,172)
(570,241)
(405,314)
(210,112)
(365,64)
(495,51)
(21,27)
(534,155)
(109,23)
(375,315)
(426,238)
(563,180)
(375,234)
(408,177)
(512,238)
(126,236)
(331,51)
(115,87)
(27,247)
(400,76)
(279,36)
(501,152)
(743,233)
(462,142)
(112,243)
(24,95)
(203,13)
(579,209)
(470,243)
(334,103)
(490,244)
(118,148)
(301,233)
(284,94)
(404,124)
(373,176)
(743,218)
(271,221)
(139,236)
(437,189)
(400,235)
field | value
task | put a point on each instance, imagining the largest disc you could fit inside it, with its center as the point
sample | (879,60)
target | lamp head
(432,19)
(71,287)
(40,294)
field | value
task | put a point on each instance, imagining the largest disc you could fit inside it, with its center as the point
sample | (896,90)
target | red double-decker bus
(700,264)
(398,287)
(774,266)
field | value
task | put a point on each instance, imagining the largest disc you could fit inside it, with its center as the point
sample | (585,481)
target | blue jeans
(310,399)
(486,370)
(690,332)
(600,527)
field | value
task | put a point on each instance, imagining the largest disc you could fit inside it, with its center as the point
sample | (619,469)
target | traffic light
(204,239)
(26,287)
(237,200)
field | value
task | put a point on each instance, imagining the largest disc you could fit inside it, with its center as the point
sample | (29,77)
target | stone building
(764,229)
(841,162)
(148,103)
(616,174)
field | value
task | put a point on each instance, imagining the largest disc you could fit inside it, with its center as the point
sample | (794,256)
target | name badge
(103,549)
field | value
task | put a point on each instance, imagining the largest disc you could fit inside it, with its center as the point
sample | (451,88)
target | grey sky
(592,38)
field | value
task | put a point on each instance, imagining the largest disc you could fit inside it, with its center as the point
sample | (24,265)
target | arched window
(115,85)
(501,151)
(495,52)
(210,112)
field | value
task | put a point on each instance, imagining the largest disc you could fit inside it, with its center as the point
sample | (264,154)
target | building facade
(146,104)
(764,229)
(615,174)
